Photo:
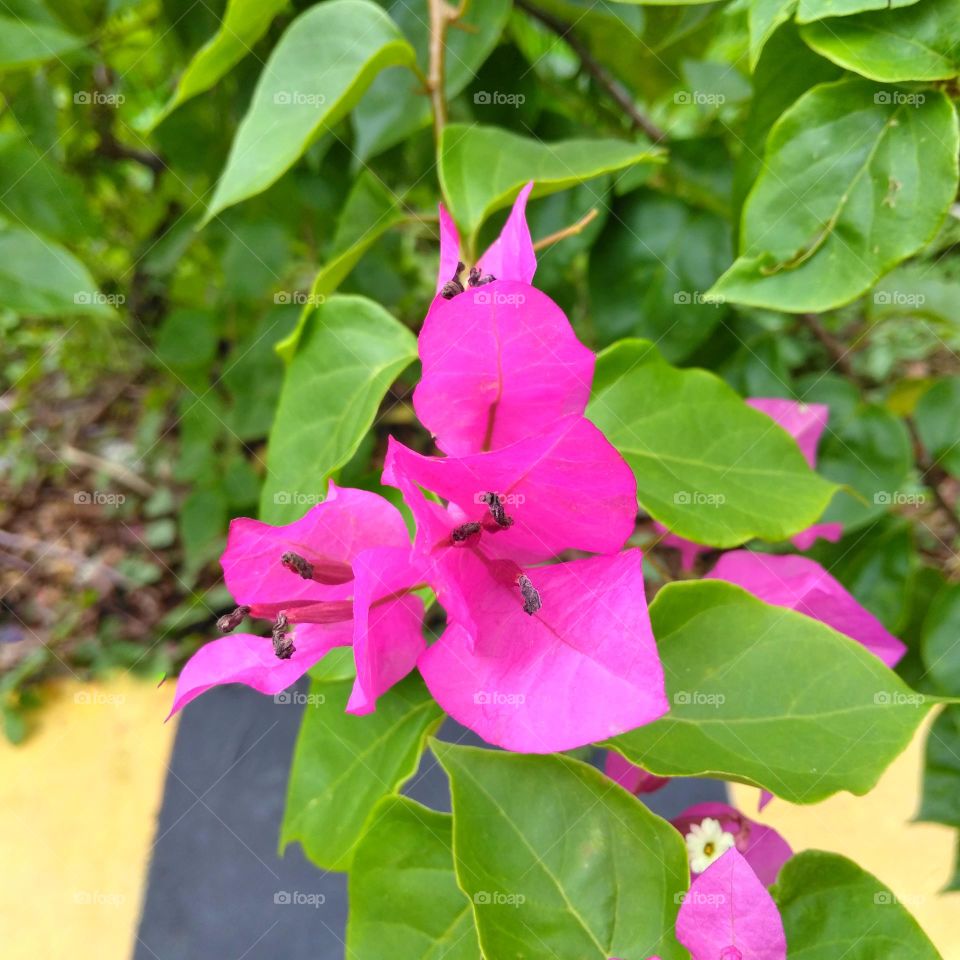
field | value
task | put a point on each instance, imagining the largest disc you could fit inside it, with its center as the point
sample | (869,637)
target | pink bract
(500,362)
(584,668)
(632,778)
(509,257)
(353,533)
(801,584)
(728,914)
(565,488)
(761,846)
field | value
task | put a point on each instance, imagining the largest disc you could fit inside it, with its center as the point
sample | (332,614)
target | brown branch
(570,231)
(614,88)
(441,15)
(839,354)
(932,475)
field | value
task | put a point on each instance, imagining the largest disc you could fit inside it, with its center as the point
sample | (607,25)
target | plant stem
(570,231)
(441,15)
(614,88)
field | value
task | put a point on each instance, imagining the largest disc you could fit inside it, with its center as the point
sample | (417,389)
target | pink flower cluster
(539,653)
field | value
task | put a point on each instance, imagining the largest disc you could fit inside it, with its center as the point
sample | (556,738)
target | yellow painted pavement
(78,805)
(79,800)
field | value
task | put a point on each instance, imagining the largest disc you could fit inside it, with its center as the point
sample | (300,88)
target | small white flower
(707,841)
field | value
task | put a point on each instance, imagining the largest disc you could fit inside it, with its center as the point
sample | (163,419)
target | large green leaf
(766,696)
(344,765)
(42,279)
(25,43)
(936,419)
(920,42)
(856,177)
(396,105)
(940,801)
(650,268)
(559,861)
(403,889)
(832,908)
(708,466)
(350,351)
(808,10)
(324,61)
(763,18)
(940,643)
(244,23)
(370,210)
(483,168)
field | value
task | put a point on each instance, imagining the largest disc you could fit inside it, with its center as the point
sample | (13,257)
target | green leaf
(559,861)
(403,890)
(396,105)
(244,23)
(936,419)
(25,43)
(939,646)
(317,72)
(350,352)
(832,908)
(370,210)
(483,168)
(763,18)
(650,268)
(809,10)
(708,467)
(920,42)
(940,801)
(42,279)
(856,178)
(766,696)
(344,765)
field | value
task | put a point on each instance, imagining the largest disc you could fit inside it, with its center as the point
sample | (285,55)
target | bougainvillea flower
(581,667)
(801,584)
(510,257)
(632,778)
(761,846)
(566,488)
(805,422)
(500,362)
(337,576)
(728,915)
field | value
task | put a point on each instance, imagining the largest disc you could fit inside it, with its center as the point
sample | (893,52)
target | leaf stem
(570,231)
(441,15)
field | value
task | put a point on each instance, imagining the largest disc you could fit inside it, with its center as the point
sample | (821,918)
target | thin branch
(570,231)
(932,475)
(839,354)
(442,15)
(614,88)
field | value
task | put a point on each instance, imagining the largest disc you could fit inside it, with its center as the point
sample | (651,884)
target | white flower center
(707,841)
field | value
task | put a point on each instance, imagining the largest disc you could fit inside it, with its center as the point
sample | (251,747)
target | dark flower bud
(465,531)
(530,594)
(282,644)
(230,621)
(453,286)
(496,509)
